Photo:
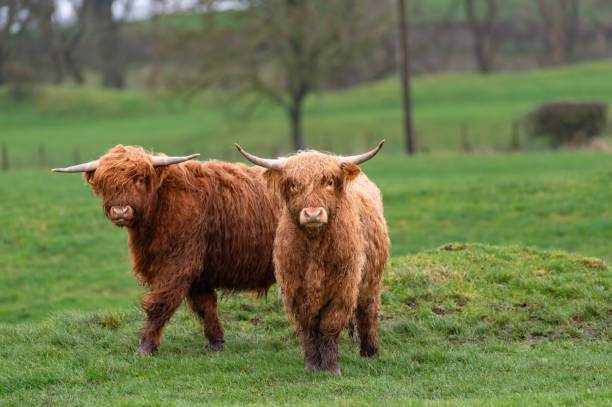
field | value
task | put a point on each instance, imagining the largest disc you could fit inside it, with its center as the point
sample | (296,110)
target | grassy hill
(90,120)
(58,251)
(462,325)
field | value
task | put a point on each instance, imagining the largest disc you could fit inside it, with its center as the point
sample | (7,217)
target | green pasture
(498,292)
(461,325)
(65,119)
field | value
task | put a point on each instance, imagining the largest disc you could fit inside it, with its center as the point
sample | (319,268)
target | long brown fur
(197,227)
(332,272)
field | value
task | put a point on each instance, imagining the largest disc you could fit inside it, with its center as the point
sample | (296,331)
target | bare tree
(59,41)
(15,16)
(287,48)
(107,30)
(560,28)
(484,30)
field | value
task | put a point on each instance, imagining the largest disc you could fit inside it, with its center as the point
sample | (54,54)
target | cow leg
(353,333)
(368,312)
(204,304)
(334,318)
(312,356)
(160,303)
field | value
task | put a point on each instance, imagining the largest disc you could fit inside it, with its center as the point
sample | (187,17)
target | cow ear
(350,171)
(272,178)
(89,178)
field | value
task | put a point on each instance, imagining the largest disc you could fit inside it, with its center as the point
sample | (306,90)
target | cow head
(128,179)
(312,184)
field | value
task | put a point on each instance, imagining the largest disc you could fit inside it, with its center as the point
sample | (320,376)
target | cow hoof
(311,367)
(146,348)
(215,346)
(369,353)
(335,371)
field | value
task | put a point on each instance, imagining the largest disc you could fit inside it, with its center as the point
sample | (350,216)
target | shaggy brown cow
(330,250)
(193,227)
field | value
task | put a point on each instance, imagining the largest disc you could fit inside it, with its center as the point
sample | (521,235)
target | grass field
(525,319)
(463,325)
(92,121)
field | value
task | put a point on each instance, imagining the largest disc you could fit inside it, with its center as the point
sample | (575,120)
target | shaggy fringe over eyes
(119,165)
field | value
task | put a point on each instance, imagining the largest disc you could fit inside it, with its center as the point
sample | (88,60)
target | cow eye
(140,181)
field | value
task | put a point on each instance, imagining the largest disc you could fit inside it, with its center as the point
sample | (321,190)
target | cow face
(127,181)
(312,185)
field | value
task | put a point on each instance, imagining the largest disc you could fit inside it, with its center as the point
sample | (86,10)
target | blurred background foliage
(202,74)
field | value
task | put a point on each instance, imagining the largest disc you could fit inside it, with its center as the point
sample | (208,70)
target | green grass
(462,325)
(60,252)
(92,121)
(524,320)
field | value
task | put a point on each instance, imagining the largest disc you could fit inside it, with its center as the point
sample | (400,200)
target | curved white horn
(358,159)
(159,161)
(85,167)
(277,164)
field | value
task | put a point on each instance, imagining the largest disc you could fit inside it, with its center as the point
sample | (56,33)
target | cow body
(330,251)
(193,228)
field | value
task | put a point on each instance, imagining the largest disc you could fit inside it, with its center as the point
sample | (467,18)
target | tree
(484,31)
(287,48)
(107,29)
(560,28)
(61,41)
(405,75)
(15,16)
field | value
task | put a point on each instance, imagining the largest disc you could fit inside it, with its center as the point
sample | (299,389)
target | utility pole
(404,40)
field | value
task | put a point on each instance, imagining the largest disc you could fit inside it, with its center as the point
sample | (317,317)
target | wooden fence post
(76,156)
(465,143)
(5,163)
(42,159)
(515,143)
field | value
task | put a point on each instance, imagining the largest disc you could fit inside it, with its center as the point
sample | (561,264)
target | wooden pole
(515,144)
(5,163)
(42,159)
(404,38)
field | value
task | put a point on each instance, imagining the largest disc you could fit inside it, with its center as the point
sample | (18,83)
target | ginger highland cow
(192,228)
(330,250)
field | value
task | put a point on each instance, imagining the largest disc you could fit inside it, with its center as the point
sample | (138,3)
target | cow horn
(277,164)
(358,159)
(159,161)
(85,167)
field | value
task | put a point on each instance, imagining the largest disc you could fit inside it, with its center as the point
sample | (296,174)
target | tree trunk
(295,117)
(3,58)
(405,75)
(49,39)
(73,68)
(484,32)
(107,35)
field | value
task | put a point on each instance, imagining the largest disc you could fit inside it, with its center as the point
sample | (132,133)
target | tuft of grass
(473,326)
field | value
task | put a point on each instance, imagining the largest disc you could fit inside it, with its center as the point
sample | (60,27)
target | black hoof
(369,353)
(146,348)
(216,346)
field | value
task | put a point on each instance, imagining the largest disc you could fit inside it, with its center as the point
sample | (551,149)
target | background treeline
(98,42)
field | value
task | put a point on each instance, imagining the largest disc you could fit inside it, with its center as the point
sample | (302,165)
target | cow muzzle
(121,215)
(313,217)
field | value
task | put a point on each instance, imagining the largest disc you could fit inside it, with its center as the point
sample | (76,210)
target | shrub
(21,80)
(567,123)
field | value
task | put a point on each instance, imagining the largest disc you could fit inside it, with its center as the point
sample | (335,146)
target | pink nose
(314,216)
(313,213)
(121,212)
